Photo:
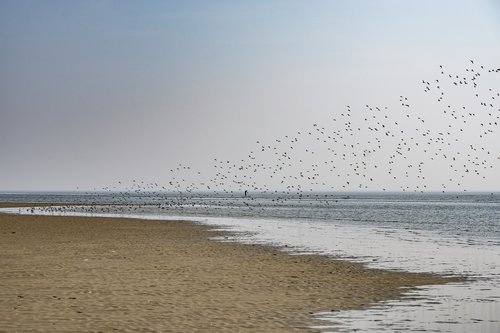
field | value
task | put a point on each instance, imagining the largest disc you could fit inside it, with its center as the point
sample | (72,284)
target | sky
(93,93)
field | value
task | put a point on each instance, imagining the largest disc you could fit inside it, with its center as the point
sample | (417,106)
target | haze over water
(97,92)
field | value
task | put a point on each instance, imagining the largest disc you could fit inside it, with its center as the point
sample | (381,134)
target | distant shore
(64,274)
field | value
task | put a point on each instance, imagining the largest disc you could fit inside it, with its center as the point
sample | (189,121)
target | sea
(453,234)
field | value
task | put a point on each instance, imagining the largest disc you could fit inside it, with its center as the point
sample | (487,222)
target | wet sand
(76,274)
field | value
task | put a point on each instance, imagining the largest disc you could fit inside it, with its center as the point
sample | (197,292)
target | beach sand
(75,274)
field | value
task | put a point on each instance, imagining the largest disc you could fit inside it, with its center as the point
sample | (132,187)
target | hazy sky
(96,92)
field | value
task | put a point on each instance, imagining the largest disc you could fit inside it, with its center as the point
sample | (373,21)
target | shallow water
(441,233)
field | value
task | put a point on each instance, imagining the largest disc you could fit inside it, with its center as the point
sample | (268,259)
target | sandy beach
(75,274)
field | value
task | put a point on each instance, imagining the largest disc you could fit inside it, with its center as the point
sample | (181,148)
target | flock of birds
(445,144)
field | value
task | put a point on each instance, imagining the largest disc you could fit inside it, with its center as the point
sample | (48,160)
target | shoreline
(65,273)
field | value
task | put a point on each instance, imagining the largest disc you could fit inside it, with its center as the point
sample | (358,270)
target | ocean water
(450,234)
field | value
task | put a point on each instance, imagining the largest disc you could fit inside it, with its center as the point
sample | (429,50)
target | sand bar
(76,274)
